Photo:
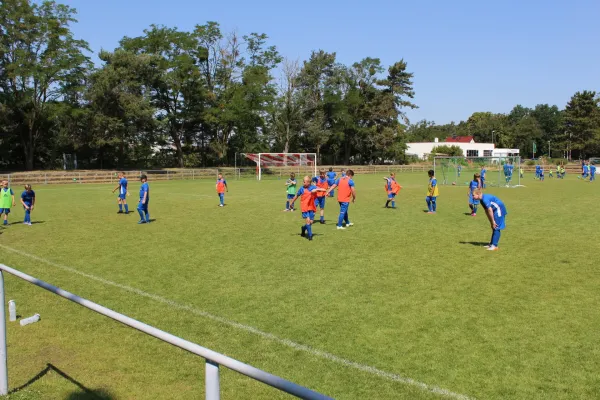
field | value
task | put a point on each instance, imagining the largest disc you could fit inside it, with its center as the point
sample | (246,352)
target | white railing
(213,359)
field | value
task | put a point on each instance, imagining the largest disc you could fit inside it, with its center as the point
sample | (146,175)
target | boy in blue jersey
(496,213)
(506,169)
(343,172)
(331,180)
(221,188)
(585,171)
(459,170)
(482,174)
(7,200)
(142,207)
(123,193)
(432,193)
(541,173)
(28,202)
(474,185)
(592,172)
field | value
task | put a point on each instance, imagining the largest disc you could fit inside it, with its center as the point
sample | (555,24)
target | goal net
(278,164)
(69,161)
(498,171)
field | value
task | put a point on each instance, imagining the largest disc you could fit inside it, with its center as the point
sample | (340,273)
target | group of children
(588,171)
(7,201)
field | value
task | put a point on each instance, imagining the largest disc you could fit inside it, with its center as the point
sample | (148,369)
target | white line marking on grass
(286,342)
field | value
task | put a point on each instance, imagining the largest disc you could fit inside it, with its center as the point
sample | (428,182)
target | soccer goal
(459,171)
(276,164)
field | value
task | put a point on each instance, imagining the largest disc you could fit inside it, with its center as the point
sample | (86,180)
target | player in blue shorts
(123,193)
(474,185)
(331,179)
(7,200)
(346,193)
(541,173)
(308,194)
(585,171)
(321,182)
(592,172)
(142,207)
(290,185)
(496,213)
(392,188)
(28,202)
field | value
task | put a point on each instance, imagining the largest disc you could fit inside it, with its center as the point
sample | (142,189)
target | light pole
(549,154)
(493,141)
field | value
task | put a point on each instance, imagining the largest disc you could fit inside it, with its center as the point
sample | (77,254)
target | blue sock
(340,219)
(495,237)
(120,207)
(393,204)
(322,218)
(147,216)
(141,212)
(346,219)
(222,199)
(304,228)
(428,200)
(126,208)
(309,229)
(474,209)
(434,204)
(287,205)
(5,222)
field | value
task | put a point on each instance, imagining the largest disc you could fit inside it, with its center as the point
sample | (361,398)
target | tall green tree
(582,123)
(39,58)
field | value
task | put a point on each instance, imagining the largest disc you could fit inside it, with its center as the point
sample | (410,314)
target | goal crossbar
(264,160)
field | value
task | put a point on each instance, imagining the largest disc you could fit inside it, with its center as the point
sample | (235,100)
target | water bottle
(30,320)
(12,310)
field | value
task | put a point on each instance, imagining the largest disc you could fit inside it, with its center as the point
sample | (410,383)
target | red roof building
(460,139)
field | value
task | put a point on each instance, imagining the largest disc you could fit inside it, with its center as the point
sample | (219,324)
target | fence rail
(103,176)
(213,359)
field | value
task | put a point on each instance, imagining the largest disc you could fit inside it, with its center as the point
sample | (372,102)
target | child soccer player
(291,191)
(507,173)
(308,195)
(142,207)
(392,189)
(346,191)
(28,202)
(537,172)
(322,182)
(592,172)
(541,173)
(474,185)
(482,174)
(343,172)
(221,187)
(550,173)
(496,213)
(459,169)
(521,172)
(123,192)
(586,171)
(331,179)
(7,200)
(432,193)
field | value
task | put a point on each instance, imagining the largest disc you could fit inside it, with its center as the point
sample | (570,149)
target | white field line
(286,342)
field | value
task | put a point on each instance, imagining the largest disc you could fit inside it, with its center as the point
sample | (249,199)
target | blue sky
(466,55)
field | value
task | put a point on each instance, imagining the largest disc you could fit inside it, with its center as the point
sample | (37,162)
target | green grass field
(404,305)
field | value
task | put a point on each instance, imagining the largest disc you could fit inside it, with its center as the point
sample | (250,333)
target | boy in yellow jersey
(432,193)
(7,200)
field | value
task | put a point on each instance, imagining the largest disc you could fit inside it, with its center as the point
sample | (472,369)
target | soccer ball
(453,183)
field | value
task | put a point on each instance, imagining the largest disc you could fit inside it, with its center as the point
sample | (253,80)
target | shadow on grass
(37,222)
(476,243)
(82,393)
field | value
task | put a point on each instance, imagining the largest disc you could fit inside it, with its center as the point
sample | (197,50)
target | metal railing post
(213,387)
(3,358)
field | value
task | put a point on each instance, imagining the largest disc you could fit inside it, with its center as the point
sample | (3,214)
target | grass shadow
(475,243)
(37,222)
(82,392)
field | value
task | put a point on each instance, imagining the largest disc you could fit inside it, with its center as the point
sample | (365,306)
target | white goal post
(264,161)
(499,171)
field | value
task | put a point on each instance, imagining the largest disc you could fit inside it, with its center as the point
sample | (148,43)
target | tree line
(174,98)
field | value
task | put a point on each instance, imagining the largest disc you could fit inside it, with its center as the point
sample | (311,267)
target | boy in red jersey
(307,194)
(346,193)
(322,183)
(221,188)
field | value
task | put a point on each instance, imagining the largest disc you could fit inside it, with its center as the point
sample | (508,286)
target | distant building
(467,143)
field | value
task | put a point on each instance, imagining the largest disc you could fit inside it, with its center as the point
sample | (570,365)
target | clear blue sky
(466,55)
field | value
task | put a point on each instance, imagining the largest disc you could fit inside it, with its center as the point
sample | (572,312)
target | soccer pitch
(403,305)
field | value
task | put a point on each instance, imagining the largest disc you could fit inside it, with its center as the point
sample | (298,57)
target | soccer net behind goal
(279,164)
(497,171)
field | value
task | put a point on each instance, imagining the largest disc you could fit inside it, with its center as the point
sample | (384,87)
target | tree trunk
(178,149)
(29,148)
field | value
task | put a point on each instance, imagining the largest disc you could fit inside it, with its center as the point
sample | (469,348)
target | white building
(470,149)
